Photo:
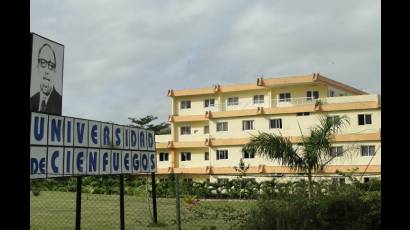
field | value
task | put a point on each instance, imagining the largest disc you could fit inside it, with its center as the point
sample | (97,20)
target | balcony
(330,103)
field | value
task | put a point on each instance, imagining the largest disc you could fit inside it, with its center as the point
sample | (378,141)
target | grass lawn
(56,210)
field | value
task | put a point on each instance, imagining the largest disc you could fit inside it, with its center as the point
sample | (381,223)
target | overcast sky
(121,56)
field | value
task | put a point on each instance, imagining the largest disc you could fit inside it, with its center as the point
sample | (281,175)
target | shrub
(346,208)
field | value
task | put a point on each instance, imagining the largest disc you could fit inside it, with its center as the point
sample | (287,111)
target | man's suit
(53,105)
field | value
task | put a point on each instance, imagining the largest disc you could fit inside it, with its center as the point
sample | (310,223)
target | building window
(233,101)
(368,150)
(185,130)
(221,154)
(163,179)
(188,180)
(284,97)
(303,114)
(258,99)
(222,181)
(206,129)
(185,104)
(365,119)
(222,126)
(206,156)
(310,95)
(275,123)
(247,125)
(342,180)
(163,157)
(336,151)
(185,156)
(209,103)
(366,179)
(335,119)
(248,155)
(332,93)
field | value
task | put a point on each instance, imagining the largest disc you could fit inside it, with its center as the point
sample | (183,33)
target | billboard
(46,84)
(66,146)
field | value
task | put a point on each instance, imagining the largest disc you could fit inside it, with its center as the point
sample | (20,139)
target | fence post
(154,197)
(177,200)
(122,222)
(78,204)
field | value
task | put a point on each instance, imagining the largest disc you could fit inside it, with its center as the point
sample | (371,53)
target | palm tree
(241,169)
(310,156)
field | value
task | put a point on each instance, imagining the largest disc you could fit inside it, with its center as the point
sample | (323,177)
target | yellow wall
(197,158)
(197,131)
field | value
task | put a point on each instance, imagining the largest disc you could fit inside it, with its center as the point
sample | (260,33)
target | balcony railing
(275,102)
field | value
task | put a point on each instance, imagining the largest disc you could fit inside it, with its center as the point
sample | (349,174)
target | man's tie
(43,106)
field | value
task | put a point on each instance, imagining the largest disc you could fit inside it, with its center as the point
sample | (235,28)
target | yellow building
(210,125)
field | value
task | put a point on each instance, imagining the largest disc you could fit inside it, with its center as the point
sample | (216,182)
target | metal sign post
(78,204)
(154,197)
(122,221)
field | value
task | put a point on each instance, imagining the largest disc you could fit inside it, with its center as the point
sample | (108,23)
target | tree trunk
(310,184)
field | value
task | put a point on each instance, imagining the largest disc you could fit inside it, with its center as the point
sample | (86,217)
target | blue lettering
(136,162)
(152,156)
(105,161)
(68,161)
(117,132)
(55,155)
(150,140)
(80,132)
(133,139)
(68,136)
(34,165)
(94,134)
(116,161)
(126,138)
(144,159)
(142,140)
(42,165)
(39,128)
(80,161)
(106,135)
(55,130)
(92,161)
(126,161)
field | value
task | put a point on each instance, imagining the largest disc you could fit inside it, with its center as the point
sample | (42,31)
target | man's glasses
(44,63)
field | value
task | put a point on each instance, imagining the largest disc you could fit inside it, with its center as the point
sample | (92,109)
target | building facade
(209,126)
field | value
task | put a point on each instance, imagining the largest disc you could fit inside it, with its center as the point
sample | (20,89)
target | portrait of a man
(45,97)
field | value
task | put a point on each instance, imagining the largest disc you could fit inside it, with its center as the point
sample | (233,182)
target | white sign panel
(93,156)
(68,131)
(68,161)
(46,85)
(65,146)
(105,161)
(55,129)
(152,161)
(94,139)
(38,162)
(145,162)
(126,162)
(39,129)
(80,161)
(55,162)
(133,138)
(80,132)
(150,140)
(116,161)
(136,161)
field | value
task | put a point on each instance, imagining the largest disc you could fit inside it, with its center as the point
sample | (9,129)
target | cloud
(122,56)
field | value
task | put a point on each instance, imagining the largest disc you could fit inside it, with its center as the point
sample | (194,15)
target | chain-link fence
(202,205)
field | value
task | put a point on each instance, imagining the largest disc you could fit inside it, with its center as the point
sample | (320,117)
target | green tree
(309,157)
(145,123)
